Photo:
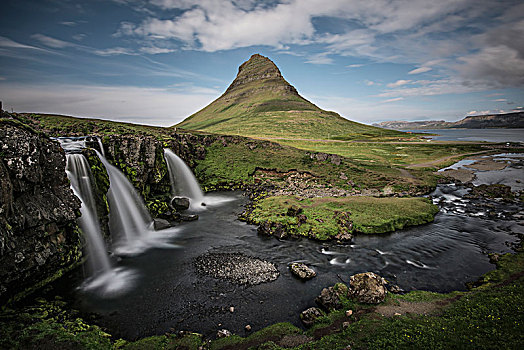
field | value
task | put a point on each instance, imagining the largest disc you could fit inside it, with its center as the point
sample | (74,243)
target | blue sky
(158,61)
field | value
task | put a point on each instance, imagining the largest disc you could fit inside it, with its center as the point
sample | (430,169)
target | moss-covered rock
(38,210)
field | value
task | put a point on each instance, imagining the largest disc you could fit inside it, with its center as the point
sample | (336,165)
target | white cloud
(420,70)
(371,83)
(435,87)
(51,42)
(393,100)
(113,51)
(398,83)
(354,65)
(153,50)
(320,59)
(141,105)
(500,100)
(8,43)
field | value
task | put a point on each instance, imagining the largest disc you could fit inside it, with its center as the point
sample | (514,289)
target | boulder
(367,288)
(180,203)
(330,298)
(161,224)
(310,315)
(302,271)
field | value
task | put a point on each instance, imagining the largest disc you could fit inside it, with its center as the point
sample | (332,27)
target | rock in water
(161,224)
(367,288)
(330,298)
(309,316)
(302,271)
(180,203)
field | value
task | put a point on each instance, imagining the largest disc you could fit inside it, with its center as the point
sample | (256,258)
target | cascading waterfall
(183,182)
(79,173)
(104,279)
(101,146)
(129,219)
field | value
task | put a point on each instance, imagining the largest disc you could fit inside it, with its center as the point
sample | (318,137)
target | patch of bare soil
(406,307)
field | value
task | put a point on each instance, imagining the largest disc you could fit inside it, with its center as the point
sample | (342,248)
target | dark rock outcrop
(38,210)
(310,315)
(180,203)
(302,271)
(331,298)
(367,288)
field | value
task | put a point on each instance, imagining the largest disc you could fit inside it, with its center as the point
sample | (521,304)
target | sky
(158,61)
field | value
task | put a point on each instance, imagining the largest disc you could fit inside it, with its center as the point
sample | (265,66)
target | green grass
(236,162)
(367,214)
(394,154)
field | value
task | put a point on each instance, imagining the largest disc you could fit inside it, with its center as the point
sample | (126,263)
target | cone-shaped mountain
(261,103)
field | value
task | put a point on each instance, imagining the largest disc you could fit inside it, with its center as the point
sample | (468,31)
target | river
(167,293)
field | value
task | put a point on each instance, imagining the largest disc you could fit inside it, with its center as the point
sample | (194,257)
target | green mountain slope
(261,103)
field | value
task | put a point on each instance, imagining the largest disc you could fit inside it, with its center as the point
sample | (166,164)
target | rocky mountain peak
(258,70)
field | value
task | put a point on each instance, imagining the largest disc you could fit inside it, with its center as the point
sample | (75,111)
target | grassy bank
(326,217)
(393,154)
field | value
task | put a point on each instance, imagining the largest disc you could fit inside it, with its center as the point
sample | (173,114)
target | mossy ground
(367,214)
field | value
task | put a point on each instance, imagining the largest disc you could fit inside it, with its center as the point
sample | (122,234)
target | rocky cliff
(38,210)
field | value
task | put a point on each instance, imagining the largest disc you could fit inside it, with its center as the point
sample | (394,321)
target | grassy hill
(261,103)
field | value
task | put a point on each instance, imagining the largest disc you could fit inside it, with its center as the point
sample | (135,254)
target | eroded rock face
(38,210)
(367,288)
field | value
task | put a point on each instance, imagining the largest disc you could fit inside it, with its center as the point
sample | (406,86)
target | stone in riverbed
(309,316)
(161,224)
(330,298)
(367,288)
(302,271)
(236,268)
(180,203)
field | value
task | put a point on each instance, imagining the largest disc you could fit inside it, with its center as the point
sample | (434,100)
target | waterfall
(79,173)
(129,220)
(101,146)
(183,182)
(104,279)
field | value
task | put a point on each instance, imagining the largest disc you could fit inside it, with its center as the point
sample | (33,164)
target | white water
(103,279)
(101,146)
(183,182)
(130,223)
(79,173)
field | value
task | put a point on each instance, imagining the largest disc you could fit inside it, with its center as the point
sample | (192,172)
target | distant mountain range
(507,120)
(261,103)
